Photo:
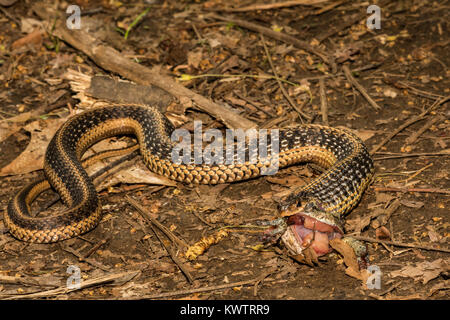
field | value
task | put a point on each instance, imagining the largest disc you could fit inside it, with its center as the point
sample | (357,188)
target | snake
(316,208)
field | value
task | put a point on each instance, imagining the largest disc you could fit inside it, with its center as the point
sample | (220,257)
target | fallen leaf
(32,158)
(347,253)
(382,233)
(383,197)
(432,234)
(194,58)
(28,25)
(136,173)
(389,92)
(423,271)
(412,204)
(12,125)
(34,38)
(7,3)
(365,134)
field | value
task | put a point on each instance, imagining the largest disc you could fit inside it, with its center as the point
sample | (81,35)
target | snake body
(349,168)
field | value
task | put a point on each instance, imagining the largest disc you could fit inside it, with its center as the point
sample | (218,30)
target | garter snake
(349,169)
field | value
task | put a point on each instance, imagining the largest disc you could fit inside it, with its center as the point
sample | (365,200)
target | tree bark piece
(112,60)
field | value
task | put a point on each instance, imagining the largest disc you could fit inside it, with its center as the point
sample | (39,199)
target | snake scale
(349,169)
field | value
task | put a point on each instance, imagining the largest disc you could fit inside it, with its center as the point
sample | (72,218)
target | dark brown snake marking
(335,192)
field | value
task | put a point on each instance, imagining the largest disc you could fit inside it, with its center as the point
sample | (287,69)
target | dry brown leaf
(32,158)
(308,256)
(347,253)
(350,260)
(382,233)
(432,234)
(423,271)
(412,204)
(34,38)
(12,125)
(7,3)
(382,197)
(365,134)
(137,174)
(194,58)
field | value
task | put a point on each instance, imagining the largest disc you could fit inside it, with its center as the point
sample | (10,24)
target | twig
(146,215)
(424,190)
(400,156)
(113,277)
(359,87)
(82,258)
(283,90)
(206,289)
(411,139)
(112,60)
(95,248)
(415,174)
(10,16)
(323,102)
(329,7)
(418,92)
(341,26)
(410,122)
(174,257)
(270,6)
(27,281)
(279,36)
(401,244)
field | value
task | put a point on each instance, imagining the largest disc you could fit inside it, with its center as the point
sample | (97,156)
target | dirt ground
(402,66)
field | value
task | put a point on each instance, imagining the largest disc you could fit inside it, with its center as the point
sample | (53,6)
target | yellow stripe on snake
(323,202)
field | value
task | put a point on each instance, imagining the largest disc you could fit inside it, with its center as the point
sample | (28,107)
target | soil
(404,68)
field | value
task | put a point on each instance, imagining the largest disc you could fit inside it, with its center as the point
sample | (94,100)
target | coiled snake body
(327,198)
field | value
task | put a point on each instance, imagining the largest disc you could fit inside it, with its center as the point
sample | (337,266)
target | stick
(146,215)
(283,90)
(411,139)
(399,156)
(87,260)
(329,7)
(95,248)
(277,5)
(410,122)
(360,88)
(323,102)
(346,24)
(205,289)
(174,257)
(27,281)
(401,244)
(112,277)
(110,59)
(424,190)
(404,85)
(278,36)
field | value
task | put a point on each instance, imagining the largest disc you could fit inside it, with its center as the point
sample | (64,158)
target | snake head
(309,225)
